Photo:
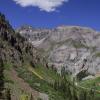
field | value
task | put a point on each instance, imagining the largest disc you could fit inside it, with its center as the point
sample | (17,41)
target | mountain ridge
(79,40)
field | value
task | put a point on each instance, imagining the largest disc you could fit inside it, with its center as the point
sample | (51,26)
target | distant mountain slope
(34,35)
(73,47)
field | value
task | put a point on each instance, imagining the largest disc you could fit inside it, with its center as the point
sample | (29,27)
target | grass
(39,84)
(15,88)
(7,65)
(34,72)
(12,84)
(92,84)
(43,85)
(47,73)
(79,45)
(97,54)
(24,97)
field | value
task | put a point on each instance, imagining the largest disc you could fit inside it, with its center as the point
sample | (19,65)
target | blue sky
(52,13)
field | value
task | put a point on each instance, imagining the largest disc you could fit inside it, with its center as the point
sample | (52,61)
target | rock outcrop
(14,48)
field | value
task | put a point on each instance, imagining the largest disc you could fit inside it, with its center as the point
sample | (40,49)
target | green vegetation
(47,73)
(24,97)
(40,85)
(91,83)
(57,87)
(97,54)
(7,65)
(79,45)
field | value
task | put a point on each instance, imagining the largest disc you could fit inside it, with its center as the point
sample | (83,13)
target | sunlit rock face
(73,47)
(35,36)
(14,48)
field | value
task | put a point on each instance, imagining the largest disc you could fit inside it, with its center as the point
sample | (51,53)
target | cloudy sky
(52,13)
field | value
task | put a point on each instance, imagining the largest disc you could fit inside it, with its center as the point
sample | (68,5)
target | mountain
(74,48)
(34,35)
(39,64)
(13,47)
(16,52)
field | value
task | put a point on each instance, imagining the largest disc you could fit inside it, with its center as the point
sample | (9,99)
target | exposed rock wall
(14,48)
(73,47)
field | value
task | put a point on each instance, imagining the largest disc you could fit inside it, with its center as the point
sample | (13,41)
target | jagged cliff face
(73,47)
(14,48)
(35,36)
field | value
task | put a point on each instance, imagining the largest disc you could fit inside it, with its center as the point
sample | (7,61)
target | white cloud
(46,5)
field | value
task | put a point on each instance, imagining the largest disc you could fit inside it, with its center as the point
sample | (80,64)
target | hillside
(15,52)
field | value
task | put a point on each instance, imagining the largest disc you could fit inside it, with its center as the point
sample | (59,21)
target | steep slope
(13,47)
(15,52)
(21,65)
(72,47)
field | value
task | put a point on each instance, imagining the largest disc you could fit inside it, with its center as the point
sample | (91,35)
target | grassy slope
(43,84)
(92,84)
(39,84)
(19,89)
